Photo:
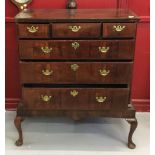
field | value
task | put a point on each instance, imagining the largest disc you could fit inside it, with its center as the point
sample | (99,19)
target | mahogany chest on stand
(76,63)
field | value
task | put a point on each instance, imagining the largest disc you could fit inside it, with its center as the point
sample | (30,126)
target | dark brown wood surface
(61,99)
(42,31)
(77,49)
(49,15)
(87,72)
(110,30)
(86,76)
(84,30)
(126,113)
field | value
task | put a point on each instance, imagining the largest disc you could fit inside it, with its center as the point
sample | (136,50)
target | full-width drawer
(76,30)
(76,98)
(76,72)
(119,30)
(76,49)
(33,30)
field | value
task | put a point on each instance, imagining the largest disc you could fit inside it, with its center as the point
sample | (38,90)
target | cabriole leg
(133,125)
(17,123)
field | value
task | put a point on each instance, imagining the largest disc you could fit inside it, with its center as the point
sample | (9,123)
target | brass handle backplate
(33,29)
(47,72)
(104,72)
(46,49)
(46,98)
(74,67)
(119,28)
(74,28)
(75,45)
(101,99)
(74,93)
(103,49)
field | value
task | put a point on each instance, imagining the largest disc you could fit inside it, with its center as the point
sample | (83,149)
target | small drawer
(33,30)
(77,49)
(119,30)
(76,30)
(76,98)
(76,72)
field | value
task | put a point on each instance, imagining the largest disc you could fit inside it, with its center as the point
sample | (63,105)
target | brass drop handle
(103,49)
(46,49)
(46,98)
(119,28)
(47,72)
(104,72)
(74,93)
(75,45)
(33,29)
(74,67)
(101,99)
(74,28)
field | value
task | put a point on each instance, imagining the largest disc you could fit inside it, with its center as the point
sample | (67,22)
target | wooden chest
(76,63)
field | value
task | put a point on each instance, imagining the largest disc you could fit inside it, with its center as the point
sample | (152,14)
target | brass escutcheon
(101,99)
(104,72)
(119,28)
(33,29)
(74,93)
(46,49)
(74,67)
(74,28)
(75,45)
(47,72)
(104,49)
(46,98)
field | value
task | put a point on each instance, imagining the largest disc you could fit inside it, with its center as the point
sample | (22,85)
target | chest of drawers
(76,63)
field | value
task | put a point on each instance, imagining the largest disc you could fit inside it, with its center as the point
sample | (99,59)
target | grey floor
(62,136)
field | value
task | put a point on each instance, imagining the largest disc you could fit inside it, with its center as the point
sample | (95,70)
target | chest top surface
(96,15)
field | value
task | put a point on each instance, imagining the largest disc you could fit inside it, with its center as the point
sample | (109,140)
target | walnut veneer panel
(33,30)
(76,72)
(75,98)
(77,49)
(76,30)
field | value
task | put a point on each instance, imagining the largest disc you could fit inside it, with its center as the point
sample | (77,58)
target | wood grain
(95,80)
(61,99)
(86,30)
(42,32)
(129,30)
(86,49)
(85,15)
(87,72)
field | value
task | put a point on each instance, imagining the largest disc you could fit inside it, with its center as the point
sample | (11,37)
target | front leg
(133,125)
(17,123)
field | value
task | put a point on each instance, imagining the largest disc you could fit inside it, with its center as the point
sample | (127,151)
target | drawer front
(76,30)
(76,49)
(75,98)
(119,30)
(33,30)
(76,72)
